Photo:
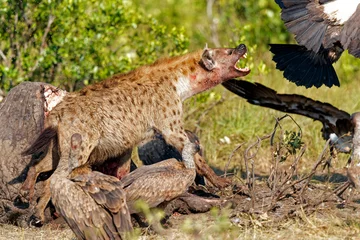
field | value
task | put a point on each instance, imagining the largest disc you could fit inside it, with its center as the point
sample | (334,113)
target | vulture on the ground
(160,182)
(92,203)
(323,29)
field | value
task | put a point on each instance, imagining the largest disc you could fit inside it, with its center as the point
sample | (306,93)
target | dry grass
(324,225)
(10,232)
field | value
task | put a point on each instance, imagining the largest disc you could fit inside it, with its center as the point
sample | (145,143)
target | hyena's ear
(207,60)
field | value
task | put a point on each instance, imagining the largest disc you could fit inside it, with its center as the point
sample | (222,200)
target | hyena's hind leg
(45,164)
(38,218)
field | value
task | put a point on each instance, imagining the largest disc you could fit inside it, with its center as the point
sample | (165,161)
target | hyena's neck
(182,73)
(185,73)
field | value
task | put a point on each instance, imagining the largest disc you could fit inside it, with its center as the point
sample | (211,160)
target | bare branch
(318,162)
(3,56)
(43,43)
(213,23)
(230,157)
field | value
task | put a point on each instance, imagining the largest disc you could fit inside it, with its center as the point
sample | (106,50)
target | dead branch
(3,57)
(279,194)
(250,181)
(277,124)
(230,157)
(312,173)
(213,23)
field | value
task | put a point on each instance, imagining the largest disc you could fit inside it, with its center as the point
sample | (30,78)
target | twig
(273,171)
(278,124)
(230,157)
(318,162)
(341,189)
(3,56)
(279,195)
(247,157)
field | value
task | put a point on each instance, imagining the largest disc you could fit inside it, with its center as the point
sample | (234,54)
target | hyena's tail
(42,142)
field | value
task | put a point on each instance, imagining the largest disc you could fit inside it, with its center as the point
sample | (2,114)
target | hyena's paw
(36,221)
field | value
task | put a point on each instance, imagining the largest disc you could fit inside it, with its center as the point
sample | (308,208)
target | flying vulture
(323,29)
(336,123)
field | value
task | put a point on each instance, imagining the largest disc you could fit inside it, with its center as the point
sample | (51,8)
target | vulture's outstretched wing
(333,119)
(323,30)
(316,23)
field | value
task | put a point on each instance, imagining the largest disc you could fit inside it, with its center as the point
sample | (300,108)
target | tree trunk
(21,120)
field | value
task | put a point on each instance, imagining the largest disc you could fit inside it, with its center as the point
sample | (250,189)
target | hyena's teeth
(245,55)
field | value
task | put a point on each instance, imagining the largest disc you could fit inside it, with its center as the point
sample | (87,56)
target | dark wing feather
(305,22)
(289,3)
(280,3)
(304,67)
(94,205)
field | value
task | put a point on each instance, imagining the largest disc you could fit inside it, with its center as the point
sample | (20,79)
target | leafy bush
(74,42)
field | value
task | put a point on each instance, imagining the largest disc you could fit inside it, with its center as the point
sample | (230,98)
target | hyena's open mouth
(241,52)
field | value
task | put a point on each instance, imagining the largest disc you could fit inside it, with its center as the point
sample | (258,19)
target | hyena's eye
(230,51)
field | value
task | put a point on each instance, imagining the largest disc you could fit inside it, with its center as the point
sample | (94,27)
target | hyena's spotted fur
(116,114)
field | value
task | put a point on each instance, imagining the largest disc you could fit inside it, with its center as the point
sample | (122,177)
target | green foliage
(291,142)
(75,42)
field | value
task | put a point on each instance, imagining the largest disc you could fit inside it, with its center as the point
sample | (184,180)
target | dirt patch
(254,212)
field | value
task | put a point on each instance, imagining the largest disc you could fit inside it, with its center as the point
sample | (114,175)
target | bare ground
(296,210)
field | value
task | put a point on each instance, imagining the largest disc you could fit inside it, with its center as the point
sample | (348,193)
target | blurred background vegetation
(72,43)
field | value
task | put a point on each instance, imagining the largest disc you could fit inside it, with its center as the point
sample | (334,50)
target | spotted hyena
(118,113)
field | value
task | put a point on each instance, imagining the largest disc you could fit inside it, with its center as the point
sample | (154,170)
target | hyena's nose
(241,49)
